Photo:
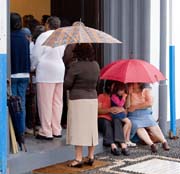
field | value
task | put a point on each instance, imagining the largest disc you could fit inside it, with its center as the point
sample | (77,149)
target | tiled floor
(41,153)
(149,164)
(156,166)
(140,161)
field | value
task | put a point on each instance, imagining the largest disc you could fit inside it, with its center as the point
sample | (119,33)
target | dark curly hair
(37,31)
(27,19)
(44,19)
(84,51)
(15,21)
(107,86)
(144,85)
(119,86)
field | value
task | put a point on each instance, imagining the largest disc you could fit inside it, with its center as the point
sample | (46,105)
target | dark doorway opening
(88,11)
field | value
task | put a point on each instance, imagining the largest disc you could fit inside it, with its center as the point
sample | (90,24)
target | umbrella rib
(70,35)
(88,37)
(93,36)
(149,73)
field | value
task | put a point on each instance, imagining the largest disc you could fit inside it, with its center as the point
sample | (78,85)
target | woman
(20,64)
(111,130)
(68,59)
(140,114)
(50,71)
(81,81)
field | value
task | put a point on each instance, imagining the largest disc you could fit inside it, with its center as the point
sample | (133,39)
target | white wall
(176,41)
(155,49)
(35,7)
(154,58)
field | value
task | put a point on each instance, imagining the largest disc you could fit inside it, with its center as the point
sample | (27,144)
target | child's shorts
(120,115)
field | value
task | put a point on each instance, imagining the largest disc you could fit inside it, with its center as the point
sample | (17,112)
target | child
(118,98)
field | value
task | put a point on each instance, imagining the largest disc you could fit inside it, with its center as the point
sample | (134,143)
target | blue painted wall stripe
(172,89)
(3,114)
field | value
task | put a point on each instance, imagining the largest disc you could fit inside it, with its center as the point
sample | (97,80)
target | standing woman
(81,81)
(50,69)
(20,63)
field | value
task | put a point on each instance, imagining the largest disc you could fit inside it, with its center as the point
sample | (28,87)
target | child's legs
(127,128)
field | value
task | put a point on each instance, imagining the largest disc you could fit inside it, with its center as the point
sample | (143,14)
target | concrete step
(41,153)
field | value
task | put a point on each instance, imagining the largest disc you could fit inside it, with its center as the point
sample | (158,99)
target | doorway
(89,12)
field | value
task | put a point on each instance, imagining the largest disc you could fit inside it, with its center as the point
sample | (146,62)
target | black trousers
(112,131)
(65,108)
(118,130)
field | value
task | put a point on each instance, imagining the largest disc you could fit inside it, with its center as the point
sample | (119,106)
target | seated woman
(112,130)
(140,114)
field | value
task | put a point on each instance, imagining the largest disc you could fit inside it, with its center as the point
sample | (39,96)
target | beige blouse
(138,98)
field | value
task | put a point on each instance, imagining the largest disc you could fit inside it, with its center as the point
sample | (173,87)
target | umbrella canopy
(131,70)
(78,34)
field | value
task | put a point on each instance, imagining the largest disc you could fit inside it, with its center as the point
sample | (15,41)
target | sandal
(125,151)
(165,146)
(115,151)
(89,161)
(76,163)
(153,148)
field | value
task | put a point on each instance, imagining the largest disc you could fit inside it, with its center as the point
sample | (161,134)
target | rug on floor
(62,168)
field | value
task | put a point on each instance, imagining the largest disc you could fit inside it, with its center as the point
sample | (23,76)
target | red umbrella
(131,70)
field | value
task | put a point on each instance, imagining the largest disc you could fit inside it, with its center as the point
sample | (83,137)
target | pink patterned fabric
(117,101)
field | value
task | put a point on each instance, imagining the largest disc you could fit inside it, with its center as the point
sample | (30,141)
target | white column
(163,85)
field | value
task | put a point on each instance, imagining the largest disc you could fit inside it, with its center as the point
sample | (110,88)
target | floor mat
(62,168)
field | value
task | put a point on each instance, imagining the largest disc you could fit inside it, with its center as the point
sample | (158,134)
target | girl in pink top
(118,98)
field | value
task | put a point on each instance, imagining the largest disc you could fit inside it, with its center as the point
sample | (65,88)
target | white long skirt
(82,127)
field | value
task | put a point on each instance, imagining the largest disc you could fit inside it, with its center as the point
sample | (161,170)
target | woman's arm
(37,52)
(104,106)
(103,110)
(71,76)
(113,110)
(69,79)
(145,104)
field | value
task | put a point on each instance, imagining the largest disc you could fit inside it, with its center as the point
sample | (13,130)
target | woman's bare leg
(156,131)
(143,135)
(78,157)
(91,152)
(127,129)
(78,153)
